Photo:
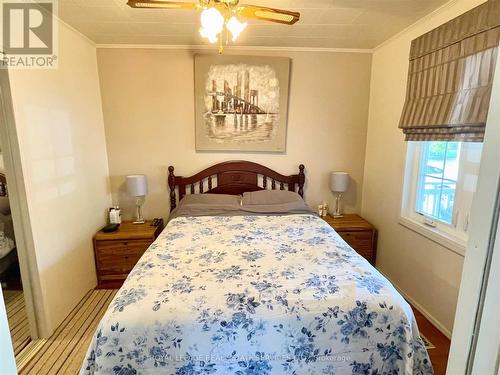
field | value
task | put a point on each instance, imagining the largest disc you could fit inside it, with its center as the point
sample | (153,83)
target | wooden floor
(18,319)
(439,354)
(64,351)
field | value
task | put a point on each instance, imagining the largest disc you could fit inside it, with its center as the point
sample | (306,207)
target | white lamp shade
(339,182)
(137,185)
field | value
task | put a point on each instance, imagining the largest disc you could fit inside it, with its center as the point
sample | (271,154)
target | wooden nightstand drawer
(118,252)
(118,246)
(358,233)
(119,256)
(359,240)
(112,281)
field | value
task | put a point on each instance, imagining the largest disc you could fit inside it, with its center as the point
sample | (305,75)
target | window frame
(444,234)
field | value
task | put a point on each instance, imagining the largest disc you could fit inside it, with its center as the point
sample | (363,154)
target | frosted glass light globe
(235,27)
(212,23)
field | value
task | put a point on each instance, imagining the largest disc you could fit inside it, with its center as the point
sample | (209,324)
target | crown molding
(233,48)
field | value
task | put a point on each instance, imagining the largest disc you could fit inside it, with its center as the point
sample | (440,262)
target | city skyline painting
(241,103)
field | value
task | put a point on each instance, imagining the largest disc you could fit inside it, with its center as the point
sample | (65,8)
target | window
(437,180)
(440,182)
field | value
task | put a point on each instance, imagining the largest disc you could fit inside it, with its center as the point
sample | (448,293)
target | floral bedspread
(255,295)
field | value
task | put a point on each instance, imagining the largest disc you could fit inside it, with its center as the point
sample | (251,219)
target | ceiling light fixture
(235,27)
(216,18)
(212,24)
(219,18)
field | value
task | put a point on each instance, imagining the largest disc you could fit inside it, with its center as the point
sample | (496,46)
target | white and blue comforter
(255,295)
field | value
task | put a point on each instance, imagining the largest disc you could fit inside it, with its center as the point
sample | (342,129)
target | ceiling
(360,24)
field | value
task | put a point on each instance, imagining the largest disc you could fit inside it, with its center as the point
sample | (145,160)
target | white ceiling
(362,24)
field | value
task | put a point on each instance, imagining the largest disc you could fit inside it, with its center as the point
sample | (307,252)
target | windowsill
(452,243)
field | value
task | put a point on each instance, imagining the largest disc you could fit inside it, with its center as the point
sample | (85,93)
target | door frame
(19,208)
(479,273)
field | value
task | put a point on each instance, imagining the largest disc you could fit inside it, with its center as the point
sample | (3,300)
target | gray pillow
(264,197)
(211,199)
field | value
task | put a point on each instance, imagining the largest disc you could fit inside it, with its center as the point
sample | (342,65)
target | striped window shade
(450,78)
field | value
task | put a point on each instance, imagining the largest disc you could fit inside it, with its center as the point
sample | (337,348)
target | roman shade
(450,78)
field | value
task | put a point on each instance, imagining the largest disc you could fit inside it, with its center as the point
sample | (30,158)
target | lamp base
(139,219)
(337,214)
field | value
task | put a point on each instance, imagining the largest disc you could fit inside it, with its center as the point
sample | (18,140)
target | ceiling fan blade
(162,4)
(268,14)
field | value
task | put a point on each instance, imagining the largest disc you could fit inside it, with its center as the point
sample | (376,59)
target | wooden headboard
(233,177)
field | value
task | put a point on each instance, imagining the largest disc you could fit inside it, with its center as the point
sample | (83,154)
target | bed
(252,293)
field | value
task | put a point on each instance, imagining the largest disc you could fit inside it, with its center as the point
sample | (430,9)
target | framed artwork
(241,103)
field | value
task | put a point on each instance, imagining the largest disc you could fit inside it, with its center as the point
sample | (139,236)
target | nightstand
(358,233)
(117,253)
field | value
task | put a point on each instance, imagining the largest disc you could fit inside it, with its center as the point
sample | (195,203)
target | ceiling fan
(222,16)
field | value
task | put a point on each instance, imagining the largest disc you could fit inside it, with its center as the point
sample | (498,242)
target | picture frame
(241,103)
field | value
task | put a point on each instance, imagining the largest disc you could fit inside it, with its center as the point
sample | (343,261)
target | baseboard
(435,322)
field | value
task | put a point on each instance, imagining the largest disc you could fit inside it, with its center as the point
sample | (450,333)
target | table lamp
(339,183)
(137,186)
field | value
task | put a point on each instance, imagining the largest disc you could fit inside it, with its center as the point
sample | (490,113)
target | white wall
(425,271)
(60,129)
(148,104)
